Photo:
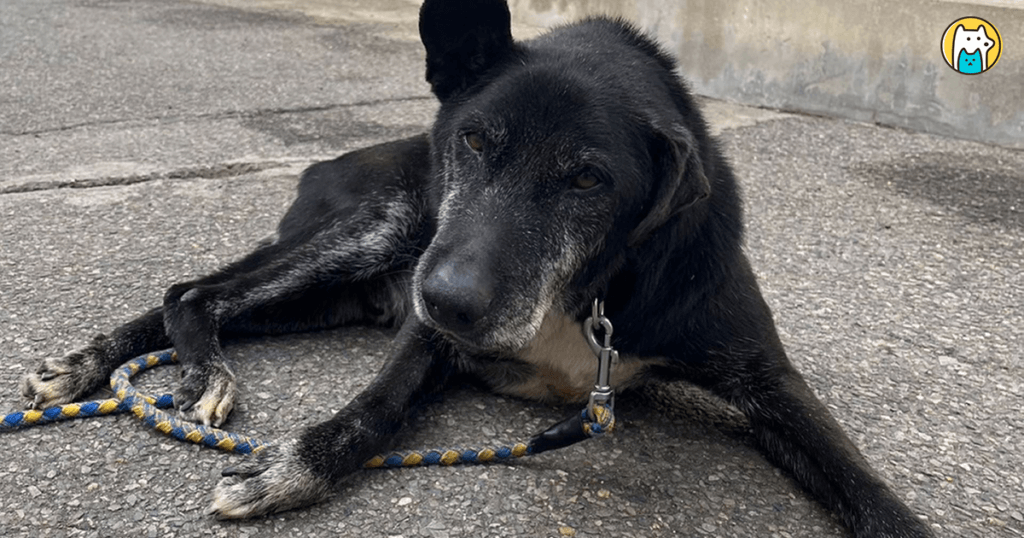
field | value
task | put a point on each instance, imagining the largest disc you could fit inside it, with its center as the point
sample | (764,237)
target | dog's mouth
(467,343)
(484,337)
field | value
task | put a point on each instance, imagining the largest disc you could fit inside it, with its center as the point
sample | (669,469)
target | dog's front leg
(192,318)
(304,470)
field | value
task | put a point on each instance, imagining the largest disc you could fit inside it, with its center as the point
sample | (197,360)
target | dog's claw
(62,380)
(206,394)
(183,403)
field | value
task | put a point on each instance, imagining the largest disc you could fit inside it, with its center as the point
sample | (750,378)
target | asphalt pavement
(148,142)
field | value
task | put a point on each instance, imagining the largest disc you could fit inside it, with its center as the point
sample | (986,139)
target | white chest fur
(566,367)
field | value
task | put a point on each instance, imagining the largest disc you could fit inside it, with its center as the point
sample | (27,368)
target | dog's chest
(564,368)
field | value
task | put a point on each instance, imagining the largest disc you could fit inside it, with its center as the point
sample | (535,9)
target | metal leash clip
(598,417)
(603,394)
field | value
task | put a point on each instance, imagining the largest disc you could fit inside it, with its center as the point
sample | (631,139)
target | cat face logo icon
(971,45)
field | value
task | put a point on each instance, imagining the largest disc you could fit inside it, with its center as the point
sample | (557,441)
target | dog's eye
(475,142)
(584,181)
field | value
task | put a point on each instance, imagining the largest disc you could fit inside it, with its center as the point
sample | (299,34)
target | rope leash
(594,420)
(57,413)
(167,423)
(147,408)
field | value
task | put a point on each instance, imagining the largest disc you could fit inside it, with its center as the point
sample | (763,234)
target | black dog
(567,168)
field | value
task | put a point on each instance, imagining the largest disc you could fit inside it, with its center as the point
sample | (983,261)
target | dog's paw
(206,393)
(63,380)
(273,480)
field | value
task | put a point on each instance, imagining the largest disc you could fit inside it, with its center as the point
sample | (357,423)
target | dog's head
(552,159)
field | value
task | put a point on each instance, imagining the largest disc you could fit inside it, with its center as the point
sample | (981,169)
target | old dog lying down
(570,167)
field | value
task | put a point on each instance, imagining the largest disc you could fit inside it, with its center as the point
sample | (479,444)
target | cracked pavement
(148,142)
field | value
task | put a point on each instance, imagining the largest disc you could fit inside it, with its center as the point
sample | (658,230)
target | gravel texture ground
(145,143)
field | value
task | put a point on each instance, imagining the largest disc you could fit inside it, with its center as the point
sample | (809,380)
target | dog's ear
(463,38)
(679,182)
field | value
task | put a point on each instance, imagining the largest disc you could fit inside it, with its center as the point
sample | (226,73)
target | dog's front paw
(273,480)
(63,380)
(207,393)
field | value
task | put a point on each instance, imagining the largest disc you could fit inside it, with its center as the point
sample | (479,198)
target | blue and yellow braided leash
(149,410)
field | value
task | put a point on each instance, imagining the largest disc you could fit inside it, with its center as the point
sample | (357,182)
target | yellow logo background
(971,24)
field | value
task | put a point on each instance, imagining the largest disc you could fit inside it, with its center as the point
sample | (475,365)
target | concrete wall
(874,61)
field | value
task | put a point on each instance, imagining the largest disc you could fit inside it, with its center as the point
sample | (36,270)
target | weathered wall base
(874,61)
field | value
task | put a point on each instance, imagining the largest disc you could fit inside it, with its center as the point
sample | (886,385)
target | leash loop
(168,423)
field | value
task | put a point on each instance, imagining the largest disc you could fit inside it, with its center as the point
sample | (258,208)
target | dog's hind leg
(347,269)
(797,433)
(288,296)
(317,274)
(381,300)
(60,380)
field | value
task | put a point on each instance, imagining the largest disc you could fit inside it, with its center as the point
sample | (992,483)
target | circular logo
(971,45)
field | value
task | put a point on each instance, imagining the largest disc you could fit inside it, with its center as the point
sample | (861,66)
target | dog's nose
(457,296)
